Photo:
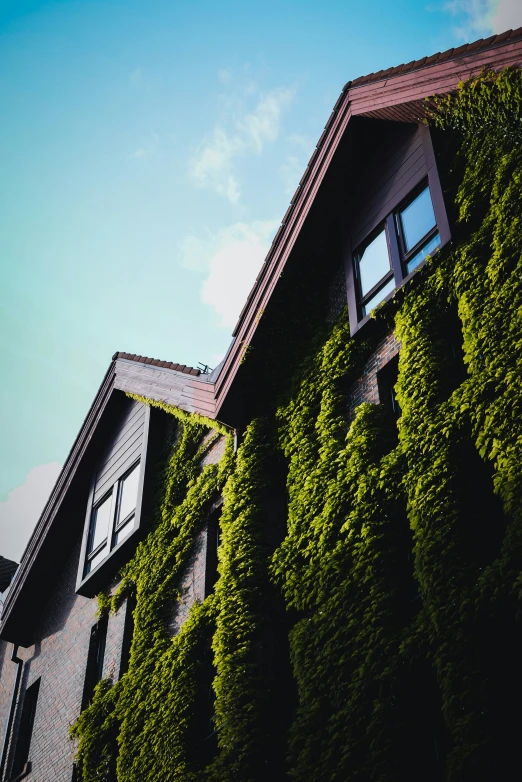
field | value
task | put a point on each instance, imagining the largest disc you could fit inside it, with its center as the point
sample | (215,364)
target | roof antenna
(204,368)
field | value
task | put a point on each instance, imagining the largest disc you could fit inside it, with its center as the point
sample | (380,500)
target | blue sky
(149,151)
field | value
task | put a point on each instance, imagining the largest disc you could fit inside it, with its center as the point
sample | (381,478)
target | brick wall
(60,659)
(215,450)
(365,389)
(194,585)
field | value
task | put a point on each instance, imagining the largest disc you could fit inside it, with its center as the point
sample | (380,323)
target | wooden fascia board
(279,253)
(435,78)
(62,485)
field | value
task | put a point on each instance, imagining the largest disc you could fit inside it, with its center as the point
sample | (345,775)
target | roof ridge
(459,51)
(155,362)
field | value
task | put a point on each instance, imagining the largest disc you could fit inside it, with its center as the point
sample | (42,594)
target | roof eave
(417,84)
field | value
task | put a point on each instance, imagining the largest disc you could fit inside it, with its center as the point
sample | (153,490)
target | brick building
(371,207)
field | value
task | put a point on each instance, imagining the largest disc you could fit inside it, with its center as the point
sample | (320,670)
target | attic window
(417,230)
(113,514)
(407,236)
(374,271)
(112,519)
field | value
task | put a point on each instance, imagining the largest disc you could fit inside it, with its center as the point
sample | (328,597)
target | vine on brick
(401,564)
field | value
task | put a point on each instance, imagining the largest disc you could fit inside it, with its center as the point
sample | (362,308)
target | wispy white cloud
(147,151)
(225,75)
(477,18)
(212,165)
(22,509)
(295,163)
(507,15)
(136,77)
(263,124)
(138,80)
(472,18)
(291,171)
(305,143)
(230,261)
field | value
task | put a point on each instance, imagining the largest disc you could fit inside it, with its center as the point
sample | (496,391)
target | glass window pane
(124,531)
(417,219)
(428,249)
(375,300)
(91,564)
(100,523)
(129,493)
(374,263)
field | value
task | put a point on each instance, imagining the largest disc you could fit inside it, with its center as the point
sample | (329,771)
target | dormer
(395,214)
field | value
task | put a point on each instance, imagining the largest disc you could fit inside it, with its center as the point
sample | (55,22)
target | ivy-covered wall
(365,624)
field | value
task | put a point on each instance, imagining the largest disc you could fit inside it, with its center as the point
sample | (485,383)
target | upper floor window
(395,250)
(417,230)
(374,272)
(112,519)
(113,513)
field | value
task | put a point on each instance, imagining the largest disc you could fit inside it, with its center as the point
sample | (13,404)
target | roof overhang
(398,94)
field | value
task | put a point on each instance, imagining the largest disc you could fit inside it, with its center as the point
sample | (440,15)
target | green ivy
(160,733)
(416,638)
(246,715)
(400,559)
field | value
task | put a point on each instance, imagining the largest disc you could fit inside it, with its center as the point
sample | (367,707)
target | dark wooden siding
(123,449)
(396,166)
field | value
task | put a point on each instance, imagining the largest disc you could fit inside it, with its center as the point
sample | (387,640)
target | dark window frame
(92,553)
(95,660)
(128,634)
(21,763)
(387,377)
(213,540)
(398,259)
(364,299)
(88,583)
(115,524)
(407,255)
(397,254)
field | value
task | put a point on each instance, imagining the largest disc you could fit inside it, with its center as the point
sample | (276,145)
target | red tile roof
(467,48)
(157,363)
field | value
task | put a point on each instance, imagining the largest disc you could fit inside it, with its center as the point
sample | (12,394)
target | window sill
(92,582)
(390,295)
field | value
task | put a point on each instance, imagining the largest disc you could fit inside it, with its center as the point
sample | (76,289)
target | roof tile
(447,55)
(432,58)
(482,43)
(476,45)
(156,362)
(460,50)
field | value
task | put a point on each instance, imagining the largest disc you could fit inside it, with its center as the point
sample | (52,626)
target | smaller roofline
(184,389)
(157,363)
(57,494)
